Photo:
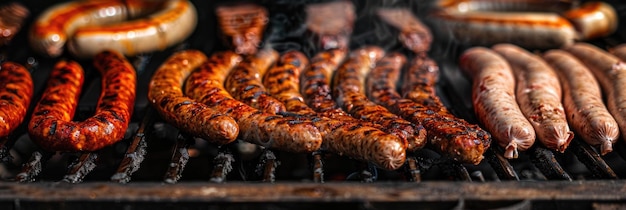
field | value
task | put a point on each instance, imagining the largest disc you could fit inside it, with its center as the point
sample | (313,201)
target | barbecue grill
(157,167)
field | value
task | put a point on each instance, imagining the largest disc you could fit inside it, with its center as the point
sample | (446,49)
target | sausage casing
(16,92)
(414,35)
(12,18)
(166,96)
(242,26)
(51,126)
(539,95)
(495,103)
(287,133)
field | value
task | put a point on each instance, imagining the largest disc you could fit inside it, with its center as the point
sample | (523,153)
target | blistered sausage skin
(52,130)
(166,96)
(451,136)
(349,93)
(582,99)
(174,22)
(242,26)
(349,138)
(245,84)
(12,18)
(495,104)
(610,72)
(620,52)
(16,92)
(538,93)
(287,133)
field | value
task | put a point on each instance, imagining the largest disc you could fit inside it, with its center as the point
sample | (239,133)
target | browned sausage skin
(12,18)
(582,99)
(166,95)
(16,91)
(349,138)
(495,104)
(287,133)
(539,95)
(50,126)
(242,26)
(349,93)
(451,136)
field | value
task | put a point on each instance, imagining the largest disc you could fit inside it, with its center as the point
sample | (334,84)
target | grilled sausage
(172,24)
(288,133)
(242,26)
(593,19)
(495,105)
(50,125)
(610,73)
(349,138)
(451,136)
(330,24)
(539,96)
(349,92)
(166,96)
(244,82)
(414,35)
(582,100)
(619,51)
(12,18)
(16,91)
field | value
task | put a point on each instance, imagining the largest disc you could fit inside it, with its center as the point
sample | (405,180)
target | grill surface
(154,153)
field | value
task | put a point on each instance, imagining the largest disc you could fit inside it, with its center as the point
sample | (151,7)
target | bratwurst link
(51,126)
(16,91)
(286,133)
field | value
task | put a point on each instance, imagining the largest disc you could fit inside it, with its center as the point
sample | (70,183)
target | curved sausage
(610,73)
(50,125)
(582,99)
(287,133)
(330,24)
(166,96)
(349,138)
(244,82)
(495,104)
(593,19)
(451,136)
(414,35)
(349,93)
(16,91)
(315,85)
(173,23)
(620,52)
(12,18)
(539,96)
(242,26)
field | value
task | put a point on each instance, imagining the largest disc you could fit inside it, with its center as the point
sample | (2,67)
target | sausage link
(244,82)
(348,89)
(16,91)
(330,24)
(593,19)
(166,95)
(53,130)
(451,136)
(242,26)
(315,85)
(620,52)
(12,18)
(349,138)
(414,35)
(610,73)
(495,105)
(539,96)
(582,100)
(289,133)
(173,23)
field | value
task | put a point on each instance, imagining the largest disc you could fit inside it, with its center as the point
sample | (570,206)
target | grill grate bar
(179,159)
(318,167)
(456,170)
(81,167)
(31,169)
(5,157)
(592,160)
(223,165)
(137,150)
(504,170)
(413,170)
(545,161)
(267,165)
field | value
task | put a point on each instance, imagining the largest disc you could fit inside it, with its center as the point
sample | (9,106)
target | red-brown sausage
(242,26)
(620,52)
(349,93)
(451,136)
(539,96)
(166,96)
(610,72)
(315,85)
(414,35)
(16,91)
(244,82)
(288,133)
(330,24)
(582,99)
(50,127)
(12,18)
(495,104)
(349,138)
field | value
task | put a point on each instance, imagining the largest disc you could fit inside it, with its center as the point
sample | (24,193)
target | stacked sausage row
(519,96)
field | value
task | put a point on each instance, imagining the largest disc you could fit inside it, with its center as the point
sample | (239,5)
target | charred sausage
(11,20)
(166,96)
(16,91)
(414,35)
